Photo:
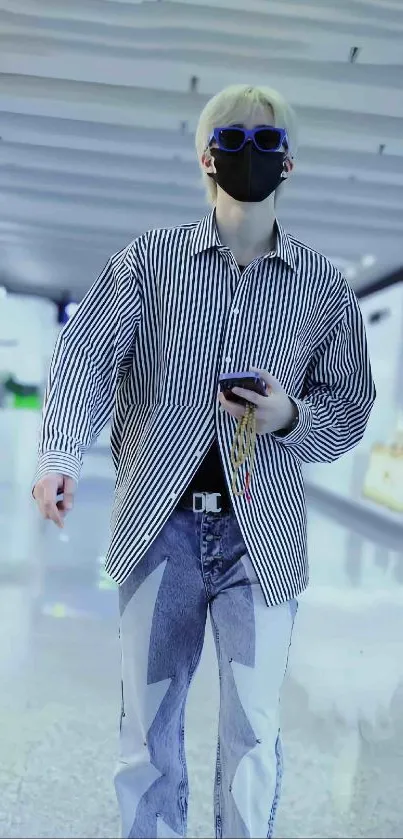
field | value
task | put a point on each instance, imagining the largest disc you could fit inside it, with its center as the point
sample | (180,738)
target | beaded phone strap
(244,442)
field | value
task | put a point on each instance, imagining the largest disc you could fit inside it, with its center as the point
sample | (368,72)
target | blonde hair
(233,104)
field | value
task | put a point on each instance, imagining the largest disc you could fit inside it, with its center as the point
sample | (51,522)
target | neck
(247,229)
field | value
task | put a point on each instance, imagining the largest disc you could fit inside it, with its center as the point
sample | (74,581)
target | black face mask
(248,175)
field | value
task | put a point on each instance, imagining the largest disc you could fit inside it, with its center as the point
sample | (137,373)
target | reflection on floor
(59,679)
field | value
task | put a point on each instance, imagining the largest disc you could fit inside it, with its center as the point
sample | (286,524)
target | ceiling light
(368,260)
(71,309)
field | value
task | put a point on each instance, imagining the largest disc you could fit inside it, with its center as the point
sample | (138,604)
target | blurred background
(99,100)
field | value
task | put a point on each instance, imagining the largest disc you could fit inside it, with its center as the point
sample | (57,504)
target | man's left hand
(274,412)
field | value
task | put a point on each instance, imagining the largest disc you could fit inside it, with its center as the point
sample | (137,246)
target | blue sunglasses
(264,137)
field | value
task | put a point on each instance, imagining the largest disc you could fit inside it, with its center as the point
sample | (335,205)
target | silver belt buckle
(208,502)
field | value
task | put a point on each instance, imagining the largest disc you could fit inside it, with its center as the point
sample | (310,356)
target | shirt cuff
(62,462)
(303,426)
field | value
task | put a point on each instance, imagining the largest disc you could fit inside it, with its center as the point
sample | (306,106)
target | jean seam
(277,790)
(218,769)
(122,694)
(184,784)
(278,749)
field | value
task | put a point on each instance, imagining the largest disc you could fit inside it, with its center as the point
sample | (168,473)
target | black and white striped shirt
(167,315)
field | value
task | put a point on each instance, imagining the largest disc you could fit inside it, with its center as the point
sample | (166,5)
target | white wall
(28,331)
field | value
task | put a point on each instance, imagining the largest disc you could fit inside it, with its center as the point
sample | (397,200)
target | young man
(169,313)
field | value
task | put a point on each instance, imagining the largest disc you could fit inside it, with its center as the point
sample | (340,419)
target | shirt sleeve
(91,355)
(339,390)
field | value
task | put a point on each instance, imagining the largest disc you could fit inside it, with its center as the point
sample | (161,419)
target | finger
(268,378)
(65,504)
(251,396)
(48,504)
(37,492)
(48,509)
(233,408)
(67,489)
(69,485)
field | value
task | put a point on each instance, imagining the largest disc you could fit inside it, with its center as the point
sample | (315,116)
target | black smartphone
(250,381)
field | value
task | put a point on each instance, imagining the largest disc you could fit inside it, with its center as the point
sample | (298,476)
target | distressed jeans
(199,563)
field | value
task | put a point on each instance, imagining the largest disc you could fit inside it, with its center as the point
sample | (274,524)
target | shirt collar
(284,248)
(205,236)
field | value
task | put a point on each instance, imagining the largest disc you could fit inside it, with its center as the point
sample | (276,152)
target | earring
(287,165)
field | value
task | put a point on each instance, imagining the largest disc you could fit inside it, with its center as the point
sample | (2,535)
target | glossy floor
(59,670)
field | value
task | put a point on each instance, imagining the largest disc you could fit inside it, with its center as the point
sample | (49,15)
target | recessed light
(368,260)
(71,309)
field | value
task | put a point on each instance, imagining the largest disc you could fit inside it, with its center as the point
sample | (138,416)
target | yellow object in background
(383,481)
(58,610)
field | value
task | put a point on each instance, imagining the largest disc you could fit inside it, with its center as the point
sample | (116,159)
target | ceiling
(98,111)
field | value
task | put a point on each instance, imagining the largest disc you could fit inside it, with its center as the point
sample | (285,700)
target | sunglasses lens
(231,139)
(268,139)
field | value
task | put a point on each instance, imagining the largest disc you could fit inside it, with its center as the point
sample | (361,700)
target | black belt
(200,502)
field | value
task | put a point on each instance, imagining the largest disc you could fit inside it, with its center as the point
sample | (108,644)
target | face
(256,115)
(248,175)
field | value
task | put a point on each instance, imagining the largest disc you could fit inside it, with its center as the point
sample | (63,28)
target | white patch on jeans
(258,687)
(141,701)
(132,780)
(164,831)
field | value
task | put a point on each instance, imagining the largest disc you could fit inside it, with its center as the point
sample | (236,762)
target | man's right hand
(46,492)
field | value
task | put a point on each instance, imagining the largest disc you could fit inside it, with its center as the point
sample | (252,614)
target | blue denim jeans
(199,562)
